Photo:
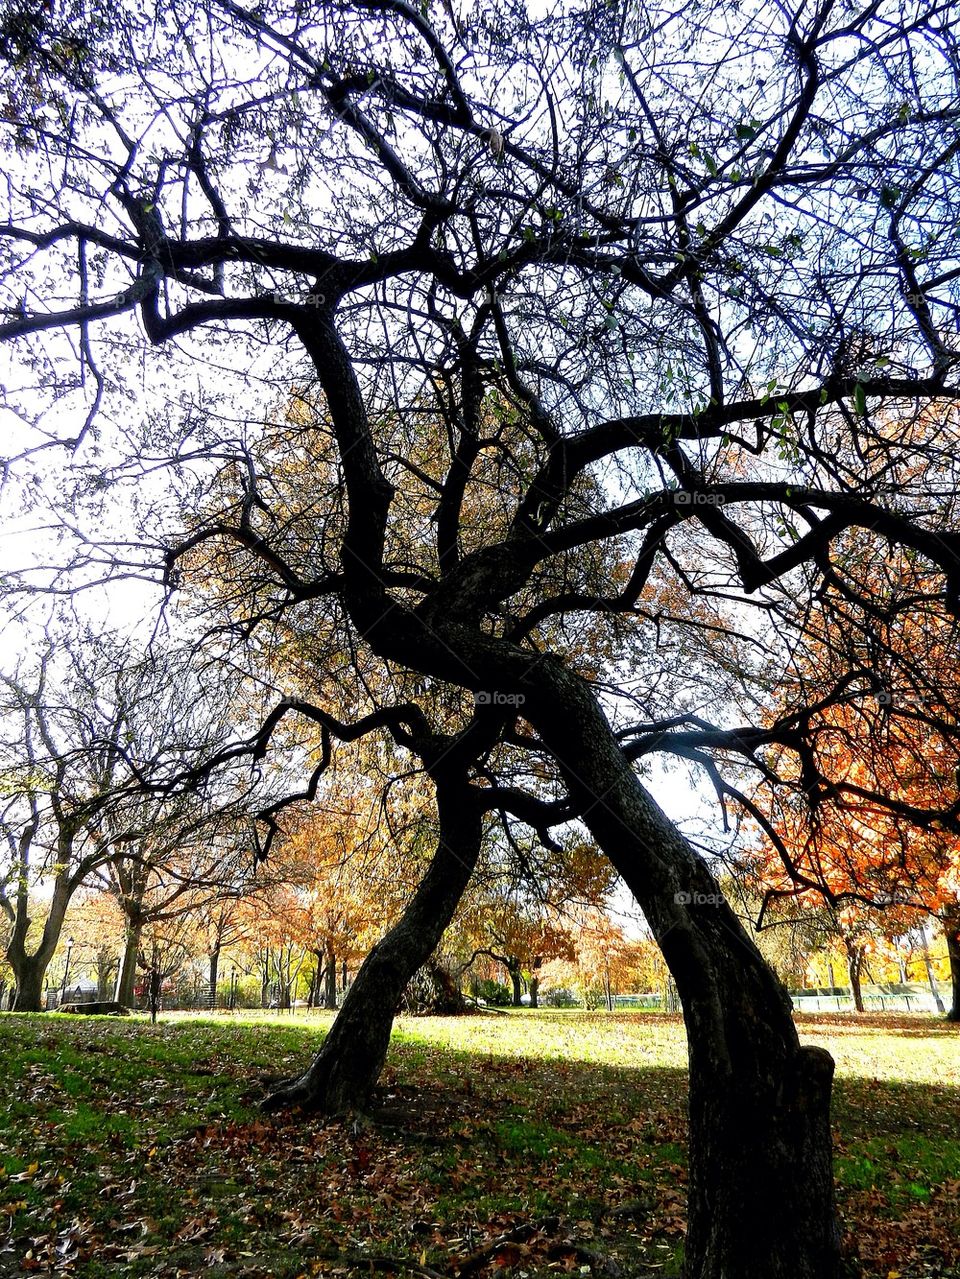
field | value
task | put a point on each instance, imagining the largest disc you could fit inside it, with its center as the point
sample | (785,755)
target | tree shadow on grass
(519,1162)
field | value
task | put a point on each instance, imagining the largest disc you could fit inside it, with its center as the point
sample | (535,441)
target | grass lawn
(516,1145)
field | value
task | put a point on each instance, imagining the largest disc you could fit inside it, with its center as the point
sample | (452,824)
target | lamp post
(66,971)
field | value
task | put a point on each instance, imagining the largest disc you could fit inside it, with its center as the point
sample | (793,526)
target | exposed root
(369,1263)
(477,1260)
(291,1094)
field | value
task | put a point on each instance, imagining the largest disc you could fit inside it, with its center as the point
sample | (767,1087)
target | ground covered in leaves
(518,1145)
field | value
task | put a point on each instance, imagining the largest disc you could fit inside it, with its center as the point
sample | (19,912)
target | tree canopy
(615,334)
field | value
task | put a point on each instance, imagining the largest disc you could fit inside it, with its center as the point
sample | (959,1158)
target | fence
(876,1001)
(879,999)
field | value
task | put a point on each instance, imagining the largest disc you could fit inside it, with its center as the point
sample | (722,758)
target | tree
(614,330)
(865,817)
(338,867)
(63,774)
(191,858)
(94,733)
(519,911)
(521,940)
(95,925)
(951,929)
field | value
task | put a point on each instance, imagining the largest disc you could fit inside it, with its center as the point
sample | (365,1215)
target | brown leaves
(485,1166)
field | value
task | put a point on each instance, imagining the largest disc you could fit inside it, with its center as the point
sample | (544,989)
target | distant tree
(520,910)
(62,766)
(865,816)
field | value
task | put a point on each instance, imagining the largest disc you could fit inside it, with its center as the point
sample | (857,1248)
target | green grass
(139,1150)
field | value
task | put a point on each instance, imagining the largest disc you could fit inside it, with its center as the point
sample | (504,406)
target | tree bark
(931,975)
(854,970)
(761,1199)
(534,992)
(127,976)
(316,978)
(345,1071)
(29,974)
(951,928)
(265,979)
(330,982)
(213,973)
(129,887)
(516,977)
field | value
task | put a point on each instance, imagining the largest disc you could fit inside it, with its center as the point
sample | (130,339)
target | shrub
(559,998)
(494,992)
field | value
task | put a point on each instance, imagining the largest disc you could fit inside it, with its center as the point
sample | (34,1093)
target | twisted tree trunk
(761,1193)
(346,1069)
(761,1200)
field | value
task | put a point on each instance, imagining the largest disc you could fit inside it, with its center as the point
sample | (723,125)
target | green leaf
(860,400)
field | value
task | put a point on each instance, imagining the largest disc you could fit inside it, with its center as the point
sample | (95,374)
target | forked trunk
(344,1072)
(30,971)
